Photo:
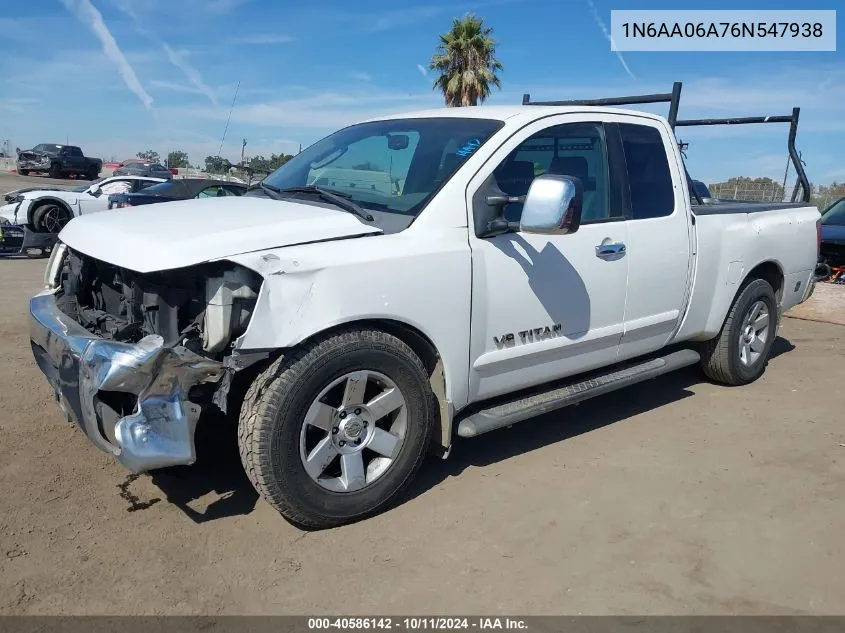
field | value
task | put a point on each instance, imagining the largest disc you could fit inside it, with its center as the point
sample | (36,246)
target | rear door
(659,236)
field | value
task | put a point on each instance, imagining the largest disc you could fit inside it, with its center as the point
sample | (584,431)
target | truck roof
(506,112)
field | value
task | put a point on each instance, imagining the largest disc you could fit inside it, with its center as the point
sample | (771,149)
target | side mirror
(552,205)
(94,189)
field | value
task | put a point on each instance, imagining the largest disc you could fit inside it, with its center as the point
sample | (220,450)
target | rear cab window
(649,178)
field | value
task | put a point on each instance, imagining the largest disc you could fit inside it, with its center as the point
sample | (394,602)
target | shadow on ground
(217,481)
(216,486)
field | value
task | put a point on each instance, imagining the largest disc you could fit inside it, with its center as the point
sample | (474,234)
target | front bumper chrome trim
(79,365)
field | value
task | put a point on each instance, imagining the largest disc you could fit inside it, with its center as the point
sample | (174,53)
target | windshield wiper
(336,198)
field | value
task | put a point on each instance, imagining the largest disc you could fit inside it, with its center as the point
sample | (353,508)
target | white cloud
(422,70)
(263,39)
(172,86)
(88,14)
(191,73)
(602,26)
(325,111)
(359,76)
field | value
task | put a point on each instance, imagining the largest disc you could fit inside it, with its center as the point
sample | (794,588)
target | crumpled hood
(171,235)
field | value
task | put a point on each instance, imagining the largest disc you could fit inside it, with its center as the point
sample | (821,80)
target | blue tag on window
(469,147)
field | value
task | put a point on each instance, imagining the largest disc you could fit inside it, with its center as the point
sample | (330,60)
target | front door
(548,306)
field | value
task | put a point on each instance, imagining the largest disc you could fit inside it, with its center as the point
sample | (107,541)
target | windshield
(47,147)
(835,215)
(702,189)
(393,166)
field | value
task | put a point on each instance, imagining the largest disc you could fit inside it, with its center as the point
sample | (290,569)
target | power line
(226,129)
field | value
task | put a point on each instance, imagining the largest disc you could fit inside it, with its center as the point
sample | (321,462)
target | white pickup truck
(528,258)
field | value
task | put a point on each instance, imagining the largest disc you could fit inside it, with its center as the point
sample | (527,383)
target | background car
(832,247)
(179,189)
(48,209)
(154,170)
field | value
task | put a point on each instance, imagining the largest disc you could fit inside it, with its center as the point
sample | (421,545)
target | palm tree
(466,62)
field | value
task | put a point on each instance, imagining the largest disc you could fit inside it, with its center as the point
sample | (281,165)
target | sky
(121,76)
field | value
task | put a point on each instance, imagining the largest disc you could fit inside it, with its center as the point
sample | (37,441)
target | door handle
(614,248)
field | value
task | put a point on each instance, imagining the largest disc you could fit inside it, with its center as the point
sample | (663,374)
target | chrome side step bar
(507,413)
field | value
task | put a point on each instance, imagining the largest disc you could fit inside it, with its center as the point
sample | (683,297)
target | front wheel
(738,355)
(93,173)
(332,433)
(23,172)
(50,218)
(55,170)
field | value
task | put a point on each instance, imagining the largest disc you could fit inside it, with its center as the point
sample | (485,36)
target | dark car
(154,170)
(57,161)
(832,248)
(702,191)
(178,189)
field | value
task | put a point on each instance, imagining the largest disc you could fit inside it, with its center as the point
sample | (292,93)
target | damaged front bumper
(18,238)
(89,374)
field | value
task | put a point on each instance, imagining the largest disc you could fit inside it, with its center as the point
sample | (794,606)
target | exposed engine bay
(203,308)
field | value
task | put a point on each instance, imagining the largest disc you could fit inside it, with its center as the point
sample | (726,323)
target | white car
(524,259)
(48,209)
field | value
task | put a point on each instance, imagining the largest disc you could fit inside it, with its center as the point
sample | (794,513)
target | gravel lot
(675,496)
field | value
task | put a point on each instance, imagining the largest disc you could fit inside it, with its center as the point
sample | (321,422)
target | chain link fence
(751,191)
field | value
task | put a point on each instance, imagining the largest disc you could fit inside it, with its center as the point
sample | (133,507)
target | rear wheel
(738,355)
(50,218)
(332,433)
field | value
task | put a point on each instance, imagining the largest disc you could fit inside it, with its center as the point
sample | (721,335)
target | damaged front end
(135,358)
(33,160)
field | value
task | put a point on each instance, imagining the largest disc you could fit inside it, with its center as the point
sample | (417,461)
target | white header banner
(707,30)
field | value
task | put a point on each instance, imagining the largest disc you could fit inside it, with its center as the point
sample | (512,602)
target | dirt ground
(671,497)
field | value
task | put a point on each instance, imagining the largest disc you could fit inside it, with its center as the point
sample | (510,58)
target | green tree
(177,158)
(277,160)
(466,63)
(216,164)
(259,165)
(149,155)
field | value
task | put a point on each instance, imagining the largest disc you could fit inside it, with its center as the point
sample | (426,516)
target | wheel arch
(770,271)
(426,350)
(39,202)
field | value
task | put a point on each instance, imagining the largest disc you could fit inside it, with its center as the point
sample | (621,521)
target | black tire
(720,356)
(23,172)
(273,412)
(93,173)
(55,170)
(50,218)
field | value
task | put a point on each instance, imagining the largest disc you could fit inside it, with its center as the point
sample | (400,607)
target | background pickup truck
(58,161)
(527,258)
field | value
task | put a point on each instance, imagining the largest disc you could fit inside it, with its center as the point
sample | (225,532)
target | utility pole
(243,147)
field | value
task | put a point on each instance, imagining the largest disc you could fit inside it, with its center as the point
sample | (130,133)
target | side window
(572,149)
(649,179)
(213,192)
(141,183)
(74,151)
(234,191)
(116,186)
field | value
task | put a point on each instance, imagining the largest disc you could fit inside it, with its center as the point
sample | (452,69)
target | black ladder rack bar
(673,99)
(790,144)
